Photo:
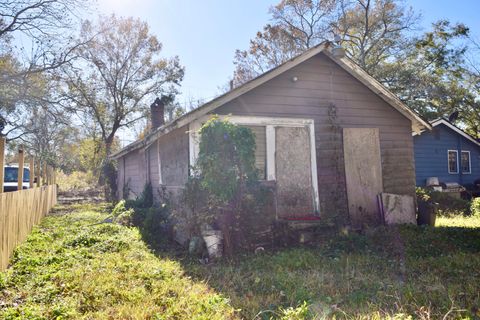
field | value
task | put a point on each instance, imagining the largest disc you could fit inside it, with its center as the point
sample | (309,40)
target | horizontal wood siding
(120,177)
(135,172)
(335,100)
(153,165)
(431,156)
(174,160)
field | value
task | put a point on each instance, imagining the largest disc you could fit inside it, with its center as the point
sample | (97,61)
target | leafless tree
(118,74)
(44,25)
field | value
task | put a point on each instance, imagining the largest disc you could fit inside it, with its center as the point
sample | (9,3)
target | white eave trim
(453,127)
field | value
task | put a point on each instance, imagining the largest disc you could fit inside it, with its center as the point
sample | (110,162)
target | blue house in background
(446,152)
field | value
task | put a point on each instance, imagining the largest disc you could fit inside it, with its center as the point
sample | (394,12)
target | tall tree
(118,74)
(371,32)
(47,135)
(429,75)
(44,25)
(297,25)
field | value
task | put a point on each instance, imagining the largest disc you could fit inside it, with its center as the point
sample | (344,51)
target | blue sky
(205,34)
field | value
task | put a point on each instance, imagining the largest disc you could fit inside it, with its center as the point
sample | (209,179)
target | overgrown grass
(401,272)
(73,266)
(459,221)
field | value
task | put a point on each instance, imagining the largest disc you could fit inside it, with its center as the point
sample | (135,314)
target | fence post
(32,172)
(2,161)
(21,160)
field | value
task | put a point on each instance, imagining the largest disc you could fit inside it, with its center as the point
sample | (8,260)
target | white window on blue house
(452,161)
(466,162)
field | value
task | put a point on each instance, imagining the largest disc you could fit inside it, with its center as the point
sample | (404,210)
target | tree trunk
(108,178)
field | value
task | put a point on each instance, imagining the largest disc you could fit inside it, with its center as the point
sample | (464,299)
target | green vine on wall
(226,167)
(338,191)
(226,158)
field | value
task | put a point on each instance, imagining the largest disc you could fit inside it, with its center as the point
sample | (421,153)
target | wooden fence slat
(20,211)
(2,161)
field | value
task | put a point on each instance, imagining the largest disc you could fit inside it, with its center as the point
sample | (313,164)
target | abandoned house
(446,154)
(328,135)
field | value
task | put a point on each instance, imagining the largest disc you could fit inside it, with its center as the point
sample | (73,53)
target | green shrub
(226,163)
(155,226)
(122,215)
(152,220)
(145,200)
(447,205)
(226,158)
(119,208)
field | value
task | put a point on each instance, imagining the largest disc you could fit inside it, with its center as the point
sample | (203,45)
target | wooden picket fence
(19,212)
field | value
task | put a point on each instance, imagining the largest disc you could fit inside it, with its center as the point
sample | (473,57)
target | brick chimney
(157,109)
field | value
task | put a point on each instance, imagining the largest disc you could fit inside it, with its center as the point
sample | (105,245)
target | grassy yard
(418,272)
(73,267)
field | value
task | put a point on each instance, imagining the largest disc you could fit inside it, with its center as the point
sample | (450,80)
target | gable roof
(453,127)
(345,63)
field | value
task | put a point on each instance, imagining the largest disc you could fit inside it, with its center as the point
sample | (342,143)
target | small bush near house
(152,219)
(224,192)
(122,215)
(226,174)
(447,205)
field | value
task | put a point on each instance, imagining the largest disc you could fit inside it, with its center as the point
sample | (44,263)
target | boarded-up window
(261,150)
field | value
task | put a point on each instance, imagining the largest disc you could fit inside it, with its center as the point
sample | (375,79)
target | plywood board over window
(363,174)
(294,178)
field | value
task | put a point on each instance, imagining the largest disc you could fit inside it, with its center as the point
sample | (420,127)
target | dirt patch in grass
(74,266)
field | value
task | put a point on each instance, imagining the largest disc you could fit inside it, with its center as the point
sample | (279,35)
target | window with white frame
(264,129)
(452,161)
(466,162)
(260,150)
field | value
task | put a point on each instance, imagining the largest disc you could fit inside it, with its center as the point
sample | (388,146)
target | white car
(10,180)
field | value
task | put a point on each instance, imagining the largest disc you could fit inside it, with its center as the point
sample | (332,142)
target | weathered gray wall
(120,177)
(175,161)
(140,166)
(135,173)
(335,100)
